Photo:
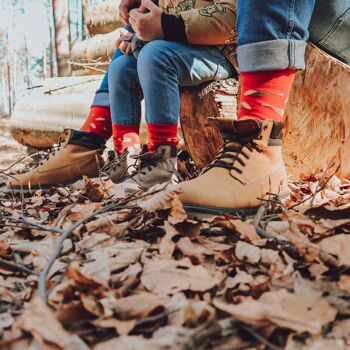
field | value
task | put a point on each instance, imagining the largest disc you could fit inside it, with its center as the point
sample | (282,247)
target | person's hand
(148,26)
(124,42)
(125,7)
(125,47)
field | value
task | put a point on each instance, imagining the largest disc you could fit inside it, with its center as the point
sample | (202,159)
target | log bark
(95,52)
(317,131)
(197,104)
(103,18)
(60,12)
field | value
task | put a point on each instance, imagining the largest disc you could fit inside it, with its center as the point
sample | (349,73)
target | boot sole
(196,212)
(201,212)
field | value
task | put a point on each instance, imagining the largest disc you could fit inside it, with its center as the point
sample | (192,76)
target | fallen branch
(66,233)
(18,267)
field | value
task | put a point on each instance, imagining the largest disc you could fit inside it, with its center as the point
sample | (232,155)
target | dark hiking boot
(152,168)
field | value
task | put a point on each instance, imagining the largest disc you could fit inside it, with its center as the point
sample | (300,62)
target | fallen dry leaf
(283,309)
(160,200)
(247,251)
(167,276)
(338,245)
(39,320)
(93,273)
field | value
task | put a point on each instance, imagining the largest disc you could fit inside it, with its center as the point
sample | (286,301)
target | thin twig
(316,192)
(59,244)
(258,337)
(18,267)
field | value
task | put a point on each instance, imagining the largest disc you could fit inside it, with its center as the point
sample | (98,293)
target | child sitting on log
(188,43)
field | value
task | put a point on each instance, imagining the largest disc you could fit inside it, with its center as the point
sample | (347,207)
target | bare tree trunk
(60,11)
(84,5)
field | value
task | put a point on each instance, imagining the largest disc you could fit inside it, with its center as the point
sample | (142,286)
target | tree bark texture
(60,12)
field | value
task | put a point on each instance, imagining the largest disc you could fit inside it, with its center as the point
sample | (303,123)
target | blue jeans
(161,68)
(272,33)
(330,27)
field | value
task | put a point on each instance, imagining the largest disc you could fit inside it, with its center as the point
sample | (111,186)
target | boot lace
(113,164)
(52,151)
(233,146)
(145,160)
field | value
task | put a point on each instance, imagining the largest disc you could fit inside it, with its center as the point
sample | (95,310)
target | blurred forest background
(36,37)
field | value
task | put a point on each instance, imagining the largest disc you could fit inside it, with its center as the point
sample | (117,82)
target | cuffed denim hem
(271,55)
(101,99)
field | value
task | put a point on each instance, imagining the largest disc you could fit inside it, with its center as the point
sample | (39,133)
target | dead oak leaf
(110,225)
(245,230)
(247,251)
(339,246)
(167,245)
(121,327)
(121,254)
(95,273)
(136,306)
(135,343)
(161,200)
(39,320)
(93,190)
(283,309)
(167,276)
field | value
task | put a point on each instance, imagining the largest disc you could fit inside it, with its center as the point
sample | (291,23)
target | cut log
(318,116)
(197,104)
(103,18)
(37,122)
(95,53)
(71,85)
(317,131)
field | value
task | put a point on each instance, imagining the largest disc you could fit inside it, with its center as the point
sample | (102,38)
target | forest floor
(86,267)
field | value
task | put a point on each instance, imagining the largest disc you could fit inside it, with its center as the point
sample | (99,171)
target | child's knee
(154,55)
(120,69)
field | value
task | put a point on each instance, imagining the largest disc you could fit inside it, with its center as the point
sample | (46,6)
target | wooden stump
(317,131)
(197,104)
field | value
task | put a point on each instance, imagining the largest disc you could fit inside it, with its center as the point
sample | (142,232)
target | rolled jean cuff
(101,99)
(271,55)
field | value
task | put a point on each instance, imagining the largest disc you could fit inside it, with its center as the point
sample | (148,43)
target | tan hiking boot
(249,166)
(152,168)
(78,154)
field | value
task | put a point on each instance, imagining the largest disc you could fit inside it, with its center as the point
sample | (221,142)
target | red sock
(125,136)
(99,122)
(264,95)
(161,134)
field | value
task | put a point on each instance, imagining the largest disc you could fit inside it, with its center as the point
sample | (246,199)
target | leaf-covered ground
(85,267)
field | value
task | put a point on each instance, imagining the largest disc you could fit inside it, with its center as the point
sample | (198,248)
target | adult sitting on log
(187,44)
(249,165)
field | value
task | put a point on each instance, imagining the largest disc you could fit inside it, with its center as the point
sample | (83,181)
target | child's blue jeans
(161,68)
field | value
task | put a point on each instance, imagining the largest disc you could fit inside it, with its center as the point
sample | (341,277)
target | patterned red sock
(264,95)
(99,122)
(161,134)
(125,136)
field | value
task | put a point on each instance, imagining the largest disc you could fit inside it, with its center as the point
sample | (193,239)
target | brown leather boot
(78,154)
(247,168)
